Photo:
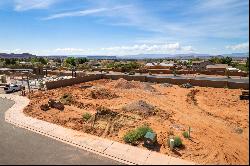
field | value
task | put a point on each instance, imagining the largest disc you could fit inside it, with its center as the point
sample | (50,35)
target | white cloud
(171,48)
(82,12)
(11,50)
(241,46)
(69,50)
(188,48)
(77,13)
(23,5)
(202,19)
(149,49)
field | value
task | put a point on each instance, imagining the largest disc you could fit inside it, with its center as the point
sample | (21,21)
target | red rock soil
(218,119)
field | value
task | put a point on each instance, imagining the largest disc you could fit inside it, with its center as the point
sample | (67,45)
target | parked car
(12,88)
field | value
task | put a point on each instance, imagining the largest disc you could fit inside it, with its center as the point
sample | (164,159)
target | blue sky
(124,27)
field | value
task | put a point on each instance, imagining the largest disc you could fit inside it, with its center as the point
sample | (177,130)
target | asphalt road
(20,146)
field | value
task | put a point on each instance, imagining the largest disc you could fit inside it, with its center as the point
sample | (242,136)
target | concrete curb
(123,153)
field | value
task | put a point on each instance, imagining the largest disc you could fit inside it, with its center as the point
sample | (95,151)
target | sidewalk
(117,151)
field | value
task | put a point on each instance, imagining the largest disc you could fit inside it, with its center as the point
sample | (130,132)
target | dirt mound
(166,85)
(83,105)
(124,84)
(148,87)
(140,107)
(102,93)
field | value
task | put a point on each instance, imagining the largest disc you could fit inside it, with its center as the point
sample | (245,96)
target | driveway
(20,146)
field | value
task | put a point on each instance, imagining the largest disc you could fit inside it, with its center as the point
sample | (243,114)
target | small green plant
(177,141)
(86,116)
(136,134)
(66,99)
(185,134)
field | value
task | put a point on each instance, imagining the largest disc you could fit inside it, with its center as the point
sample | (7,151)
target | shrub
(66,99)
(136,134)
(86,116)
(131,137)
(185,134)
(143,130)
(177,141)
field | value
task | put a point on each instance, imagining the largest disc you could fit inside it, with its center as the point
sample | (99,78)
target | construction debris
(45,107)
(56,104)
(244,95)
(187,85)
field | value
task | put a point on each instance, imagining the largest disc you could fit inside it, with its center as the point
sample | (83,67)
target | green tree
(43,60)
(82,60)
(215,60)
(11,61)
(70,61)
(226,60)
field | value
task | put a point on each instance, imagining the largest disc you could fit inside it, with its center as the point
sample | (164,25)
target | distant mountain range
(23,55)
(237,54)
(157,56)
(181,56)
(138,56)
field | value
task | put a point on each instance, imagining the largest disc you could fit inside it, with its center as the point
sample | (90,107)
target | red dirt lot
(219,120)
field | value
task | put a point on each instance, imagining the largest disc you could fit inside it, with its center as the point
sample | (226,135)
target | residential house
(233,69)
(23,63)
(200,65)
(161,65)
(218,67)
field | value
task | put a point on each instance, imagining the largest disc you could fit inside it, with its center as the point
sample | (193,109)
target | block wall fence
(175,81)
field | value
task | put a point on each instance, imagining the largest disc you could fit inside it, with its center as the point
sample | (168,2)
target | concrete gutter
(114,150)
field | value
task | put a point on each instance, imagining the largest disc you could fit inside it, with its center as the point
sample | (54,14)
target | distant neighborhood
(217,64)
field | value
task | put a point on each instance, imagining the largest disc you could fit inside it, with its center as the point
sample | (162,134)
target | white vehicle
(12,88)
